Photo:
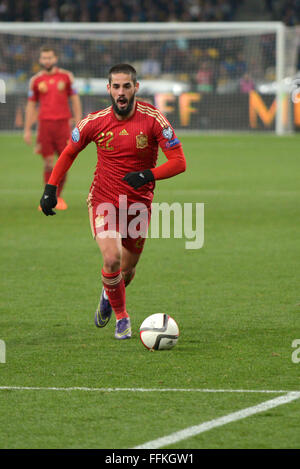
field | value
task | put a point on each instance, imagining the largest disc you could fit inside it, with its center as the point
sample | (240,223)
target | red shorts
(53,136)
(107,220)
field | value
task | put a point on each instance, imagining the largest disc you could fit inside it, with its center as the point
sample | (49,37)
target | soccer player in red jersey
(51,88)
(127,135)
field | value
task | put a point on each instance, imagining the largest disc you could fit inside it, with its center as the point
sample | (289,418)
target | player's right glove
(49,200)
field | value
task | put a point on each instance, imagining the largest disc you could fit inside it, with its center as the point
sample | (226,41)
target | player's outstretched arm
(64,162)
(176,164)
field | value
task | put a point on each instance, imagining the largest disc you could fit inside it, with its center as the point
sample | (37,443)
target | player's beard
(123,112)
(49,68)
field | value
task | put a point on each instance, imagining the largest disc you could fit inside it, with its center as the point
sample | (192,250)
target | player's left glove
(137,179)
(49,200)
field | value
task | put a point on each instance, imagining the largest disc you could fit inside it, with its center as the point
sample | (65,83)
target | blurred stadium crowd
(207,64)
(287,11)
(118,10)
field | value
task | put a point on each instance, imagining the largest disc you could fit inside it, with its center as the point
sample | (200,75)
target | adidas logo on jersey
(123,132)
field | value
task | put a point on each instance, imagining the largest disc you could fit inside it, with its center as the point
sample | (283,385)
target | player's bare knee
(111,263)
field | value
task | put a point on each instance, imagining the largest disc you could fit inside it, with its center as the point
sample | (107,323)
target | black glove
(49,200)
(139,178)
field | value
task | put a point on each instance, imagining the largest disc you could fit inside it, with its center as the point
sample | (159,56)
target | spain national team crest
(61,85)
(141,141)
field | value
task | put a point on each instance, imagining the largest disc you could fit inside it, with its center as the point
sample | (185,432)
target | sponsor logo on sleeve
(172,143)
(75,135)
(167,133)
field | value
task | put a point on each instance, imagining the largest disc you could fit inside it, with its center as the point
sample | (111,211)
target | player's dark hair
(47,48)
(122,68)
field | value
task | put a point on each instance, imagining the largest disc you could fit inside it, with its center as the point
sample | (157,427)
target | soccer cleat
(61,204)
(123,329)
(104,310)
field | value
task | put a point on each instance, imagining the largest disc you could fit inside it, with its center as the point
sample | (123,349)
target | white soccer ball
(159,332)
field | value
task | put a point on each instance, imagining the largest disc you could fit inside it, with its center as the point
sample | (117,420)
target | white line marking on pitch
(77,388)
(204,427)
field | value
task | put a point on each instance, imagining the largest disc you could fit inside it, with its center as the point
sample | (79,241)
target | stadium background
(222,75)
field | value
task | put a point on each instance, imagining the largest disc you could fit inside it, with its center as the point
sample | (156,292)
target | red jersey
(124,146)
(52,91)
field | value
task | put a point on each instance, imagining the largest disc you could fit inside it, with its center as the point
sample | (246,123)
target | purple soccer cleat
(123,329)
(104,310)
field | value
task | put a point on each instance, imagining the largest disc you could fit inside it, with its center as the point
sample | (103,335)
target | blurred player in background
(127,135)
(51,89)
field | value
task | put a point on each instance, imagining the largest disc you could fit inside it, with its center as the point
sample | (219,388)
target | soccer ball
(159,332)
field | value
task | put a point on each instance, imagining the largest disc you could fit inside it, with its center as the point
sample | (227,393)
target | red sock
(115,289)
(61,185)
(47,175)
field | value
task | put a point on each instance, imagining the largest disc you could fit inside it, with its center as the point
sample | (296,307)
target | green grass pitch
(236,301)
